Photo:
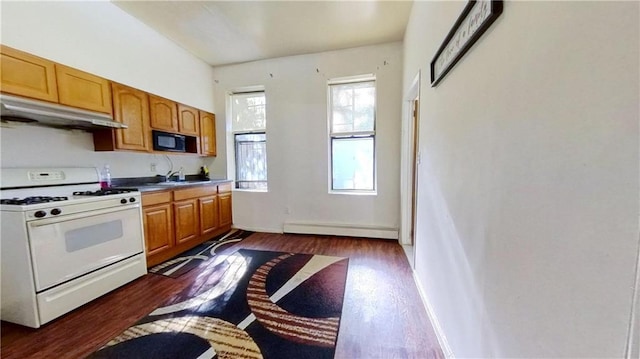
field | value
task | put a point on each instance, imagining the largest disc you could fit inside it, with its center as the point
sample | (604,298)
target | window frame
(233,135)
(352,134)
(235,146)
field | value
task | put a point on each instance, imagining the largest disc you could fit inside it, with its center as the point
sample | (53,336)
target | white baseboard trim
(341,229)
(258,229)
(442,339)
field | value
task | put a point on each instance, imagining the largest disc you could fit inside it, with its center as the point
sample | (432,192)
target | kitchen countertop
(148,184)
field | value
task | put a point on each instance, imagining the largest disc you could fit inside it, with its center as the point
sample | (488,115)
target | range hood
(13,108)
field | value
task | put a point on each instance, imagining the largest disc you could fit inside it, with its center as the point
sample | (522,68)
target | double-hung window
(248,125)
(352,114)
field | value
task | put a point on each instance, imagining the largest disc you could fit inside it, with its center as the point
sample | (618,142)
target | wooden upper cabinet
(207,134)
(30,76)
(188,120)
(131,107)
(83,90)
(164,114)
(26,75)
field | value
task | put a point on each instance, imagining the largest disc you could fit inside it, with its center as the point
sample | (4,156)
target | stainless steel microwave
(164,141)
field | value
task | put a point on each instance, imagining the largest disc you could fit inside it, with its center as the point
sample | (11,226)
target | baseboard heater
(341,229)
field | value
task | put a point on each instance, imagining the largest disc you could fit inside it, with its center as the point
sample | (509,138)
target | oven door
(66,247)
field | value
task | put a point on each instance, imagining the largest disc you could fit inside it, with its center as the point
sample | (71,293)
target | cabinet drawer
(149,199)
(193,192)
(224,188)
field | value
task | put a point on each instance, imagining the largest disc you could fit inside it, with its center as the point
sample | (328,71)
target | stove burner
(104,192)
(32,200)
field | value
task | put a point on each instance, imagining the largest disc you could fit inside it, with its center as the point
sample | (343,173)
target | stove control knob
(56,211)
(123,201)
(132,199)
(40,214)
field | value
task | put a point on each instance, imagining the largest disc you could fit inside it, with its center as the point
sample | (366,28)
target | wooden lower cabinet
(209,217)
(186,216)
(175,221)
(224,200)
(158,228)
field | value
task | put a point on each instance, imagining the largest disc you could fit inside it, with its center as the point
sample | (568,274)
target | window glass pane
(248,112)
(352,163)
(353,107)
(251,160)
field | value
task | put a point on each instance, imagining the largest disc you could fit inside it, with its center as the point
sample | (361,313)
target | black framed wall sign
(475,19)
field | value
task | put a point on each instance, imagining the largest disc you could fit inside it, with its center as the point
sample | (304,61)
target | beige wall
(99,38)
(527,234)
(298,144)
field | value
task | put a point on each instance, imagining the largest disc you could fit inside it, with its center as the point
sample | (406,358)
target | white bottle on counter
(181,174)
(105,177)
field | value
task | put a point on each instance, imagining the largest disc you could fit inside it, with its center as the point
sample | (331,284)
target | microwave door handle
(71,217)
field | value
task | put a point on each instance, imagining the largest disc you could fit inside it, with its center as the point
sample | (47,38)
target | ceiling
(227,32)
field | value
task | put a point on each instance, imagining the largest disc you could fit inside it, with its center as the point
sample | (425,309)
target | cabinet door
(83,90)
(158,228)
(207,134)
(26,75)
(224,202)
(164,114)
(188,120)
(131,107)
(187,221)
(208,214)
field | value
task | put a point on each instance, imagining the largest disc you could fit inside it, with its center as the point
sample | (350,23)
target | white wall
(528,192)
(99,38)
(297,139)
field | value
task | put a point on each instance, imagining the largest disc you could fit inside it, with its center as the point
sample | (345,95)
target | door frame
(407,164)
(633,339)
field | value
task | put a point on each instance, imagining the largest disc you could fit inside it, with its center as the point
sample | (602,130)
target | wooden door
(207,134)
(83,90)
(131,107)
(164,114)
(158,228)
(188,120)
(208,214)
(224,202)
(187,222)
(26,75)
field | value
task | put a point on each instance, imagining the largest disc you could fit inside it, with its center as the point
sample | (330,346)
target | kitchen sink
(167,184)
(173,184)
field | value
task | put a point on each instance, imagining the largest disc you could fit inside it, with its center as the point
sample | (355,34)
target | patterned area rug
(199,255)
(250,304)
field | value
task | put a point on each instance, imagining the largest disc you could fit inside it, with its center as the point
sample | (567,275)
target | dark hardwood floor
(382,316)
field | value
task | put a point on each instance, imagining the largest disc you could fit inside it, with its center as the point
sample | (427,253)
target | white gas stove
(65,241)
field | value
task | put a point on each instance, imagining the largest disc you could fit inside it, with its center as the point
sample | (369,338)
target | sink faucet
(169,174)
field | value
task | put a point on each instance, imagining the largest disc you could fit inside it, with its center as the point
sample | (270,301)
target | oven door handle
(71,217)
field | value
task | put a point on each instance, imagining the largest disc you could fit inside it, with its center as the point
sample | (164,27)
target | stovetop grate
(105,192)
(32,200)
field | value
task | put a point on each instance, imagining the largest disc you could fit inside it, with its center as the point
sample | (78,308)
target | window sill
(354,192)
(250,190)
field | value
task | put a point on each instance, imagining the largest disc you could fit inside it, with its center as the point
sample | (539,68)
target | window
(248,124)
(352,135)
